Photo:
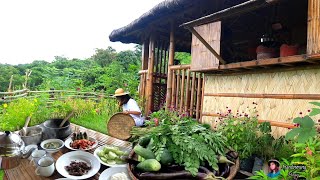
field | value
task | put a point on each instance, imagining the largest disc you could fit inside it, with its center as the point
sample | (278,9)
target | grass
(94,122)
(1,174)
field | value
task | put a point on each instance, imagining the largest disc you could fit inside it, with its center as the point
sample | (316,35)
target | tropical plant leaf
(293,133)
(315,103)
(315,111)
(305,122)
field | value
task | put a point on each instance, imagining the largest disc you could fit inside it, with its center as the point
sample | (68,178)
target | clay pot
(288,50)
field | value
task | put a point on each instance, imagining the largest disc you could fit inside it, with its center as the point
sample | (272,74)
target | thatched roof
(159,17)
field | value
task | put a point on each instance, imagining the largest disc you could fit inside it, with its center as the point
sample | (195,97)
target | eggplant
(225,172)
(85,136)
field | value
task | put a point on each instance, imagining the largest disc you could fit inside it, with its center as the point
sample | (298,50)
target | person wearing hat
(274,166)
(129,106)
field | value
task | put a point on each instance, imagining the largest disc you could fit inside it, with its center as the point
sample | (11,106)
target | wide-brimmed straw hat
(274,161)
(120,92)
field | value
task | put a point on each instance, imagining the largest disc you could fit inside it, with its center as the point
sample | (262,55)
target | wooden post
(173,85)
(170,63)
(10,84)
(149,87)
(178,88)
(145,55)
(161,57)
(198,97)
(182,89)
(313,46)
(187,91)
(193,84)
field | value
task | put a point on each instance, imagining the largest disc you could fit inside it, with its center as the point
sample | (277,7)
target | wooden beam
(170,63)
(247,6)
(205,43)
(179,67)
(269,96)
(145,55)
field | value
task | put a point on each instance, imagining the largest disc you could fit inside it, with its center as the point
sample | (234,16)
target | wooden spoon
(66,119)
(24,129)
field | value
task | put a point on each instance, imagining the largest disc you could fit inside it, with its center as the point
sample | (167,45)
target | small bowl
(52,150)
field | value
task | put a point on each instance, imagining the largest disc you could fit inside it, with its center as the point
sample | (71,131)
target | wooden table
(25,171)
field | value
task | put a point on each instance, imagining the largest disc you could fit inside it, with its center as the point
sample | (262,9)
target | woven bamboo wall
(282,110)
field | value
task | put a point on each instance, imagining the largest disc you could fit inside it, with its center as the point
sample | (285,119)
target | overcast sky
(41,29)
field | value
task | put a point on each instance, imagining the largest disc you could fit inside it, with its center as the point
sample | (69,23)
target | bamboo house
(243,52)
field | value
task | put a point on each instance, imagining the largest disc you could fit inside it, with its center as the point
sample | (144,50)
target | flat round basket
(119,126)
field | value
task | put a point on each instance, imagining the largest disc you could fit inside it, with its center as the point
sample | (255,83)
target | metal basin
(51,130)
(33,135)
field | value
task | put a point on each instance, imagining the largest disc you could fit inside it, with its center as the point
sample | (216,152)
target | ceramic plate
(69,140)
(106,174)
(95,153)
(79,156)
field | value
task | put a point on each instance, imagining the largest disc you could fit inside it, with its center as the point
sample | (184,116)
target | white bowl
(69,141)
(106,174)
(50,141)
(83,156)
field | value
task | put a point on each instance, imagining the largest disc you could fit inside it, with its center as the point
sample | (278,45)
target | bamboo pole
(180,67)
(198,97)
(192,92)
(165,62)
(161,57)
(182,90)
(313,39)
(272,123)
(269,96)
(157,59)
(170,63)
(10,84)
(173,85)
(186,105)
(145,55)
(149,87)
(178,89)
(202,95)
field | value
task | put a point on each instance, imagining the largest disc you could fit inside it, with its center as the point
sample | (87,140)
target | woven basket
(233,169)
(119,126)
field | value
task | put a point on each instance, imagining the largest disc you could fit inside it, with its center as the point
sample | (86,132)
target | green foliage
(239,131)
(103,57)
(106,70)
(305,130)
(1,174)
(183,57)
(14,114)
(189,142)
(308,155)
(315,111)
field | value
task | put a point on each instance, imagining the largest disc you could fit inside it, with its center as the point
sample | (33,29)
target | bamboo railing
(52,95)
(186,91)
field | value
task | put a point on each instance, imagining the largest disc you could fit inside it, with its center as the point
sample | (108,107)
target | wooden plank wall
(272,92)
(202,58)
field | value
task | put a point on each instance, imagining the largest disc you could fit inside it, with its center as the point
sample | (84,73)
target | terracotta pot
(288,50)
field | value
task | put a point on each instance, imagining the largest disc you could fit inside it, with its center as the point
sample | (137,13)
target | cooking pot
(51,130)
(12,150)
